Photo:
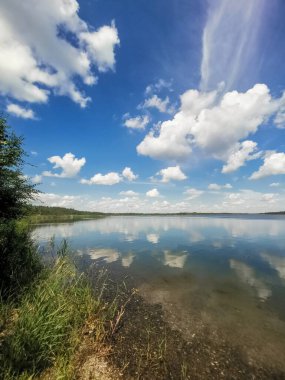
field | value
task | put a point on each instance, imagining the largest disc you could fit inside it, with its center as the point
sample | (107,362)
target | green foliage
(19,263)
(15,190)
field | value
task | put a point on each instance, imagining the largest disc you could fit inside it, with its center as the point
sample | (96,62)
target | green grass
(43,331)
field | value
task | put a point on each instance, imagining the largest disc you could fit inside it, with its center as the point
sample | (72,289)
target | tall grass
(44,330)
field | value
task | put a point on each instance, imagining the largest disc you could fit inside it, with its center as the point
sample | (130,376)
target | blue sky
(161,106)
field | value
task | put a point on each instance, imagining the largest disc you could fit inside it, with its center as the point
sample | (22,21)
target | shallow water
(221,275)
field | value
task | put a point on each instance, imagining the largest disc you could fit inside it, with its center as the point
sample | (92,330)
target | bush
(19,261)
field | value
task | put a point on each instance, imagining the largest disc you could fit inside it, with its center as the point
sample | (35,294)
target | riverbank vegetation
(44,307)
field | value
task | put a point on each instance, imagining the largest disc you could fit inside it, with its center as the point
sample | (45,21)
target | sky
(148,106)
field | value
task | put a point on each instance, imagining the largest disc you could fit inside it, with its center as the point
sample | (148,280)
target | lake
(220,274)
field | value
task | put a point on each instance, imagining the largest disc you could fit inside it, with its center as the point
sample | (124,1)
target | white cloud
(242,152)
(269,197)
(280,118)
(274,184)
(158,86)
(100,45)
(36,179)
(129,193)
(69,164)
(216,187)
(41,58)
(56,200)
(243,201)
(230,41)
(153,193)
(214,123)
(139,122)
(274,164)
(128,174)
(34,153)
(19,111)
(234,199)
(172,173)
(193,193)
(111,178)
(158,103)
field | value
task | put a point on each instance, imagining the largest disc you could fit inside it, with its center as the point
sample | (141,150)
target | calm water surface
(222,275)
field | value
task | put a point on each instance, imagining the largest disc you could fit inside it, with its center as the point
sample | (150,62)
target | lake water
(223,275)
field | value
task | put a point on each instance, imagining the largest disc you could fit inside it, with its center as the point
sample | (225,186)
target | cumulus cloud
(242,152)
(158,103)
(16,110)
(153,193)
(111,178)
(214,123)
(128,174)
(69,164)
(243,201)
(269,197)
(100,45)
(36,179)
(56,200)
(172,173)
(129,193)
(274,164)
(216,187)
(138,122)
(43,58)
(193,193)
(274,184)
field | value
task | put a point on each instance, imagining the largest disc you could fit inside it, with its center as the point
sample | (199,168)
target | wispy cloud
(230,40)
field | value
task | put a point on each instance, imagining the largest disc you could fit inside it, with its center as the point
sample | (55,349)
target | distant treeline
(62,211)
(276,213)
(46,210)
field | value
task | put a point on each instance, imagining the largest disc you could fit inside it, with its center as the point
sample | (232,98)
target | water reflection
(247,275)
(276,262)
(221,272)
(152,238)
(174,259)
